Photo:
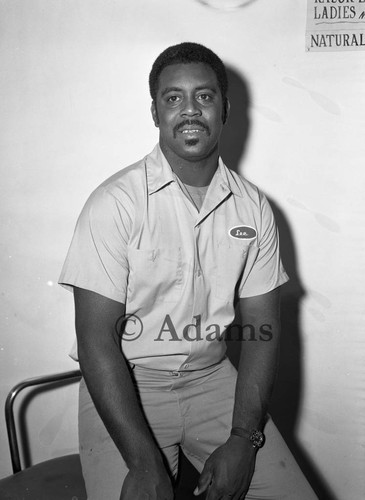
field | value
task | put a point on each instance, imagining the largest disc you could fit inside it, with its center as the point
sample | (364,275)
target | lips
(189,127)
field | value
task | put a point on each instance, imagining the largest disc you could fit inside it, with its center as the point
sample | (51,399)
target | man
(161,252)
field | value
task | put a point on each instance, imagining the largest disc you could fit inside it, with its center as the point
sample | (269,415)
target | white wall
(75,108)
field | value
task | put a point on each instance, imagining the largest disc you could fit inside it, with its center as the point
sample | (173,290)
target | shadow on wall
(285,405)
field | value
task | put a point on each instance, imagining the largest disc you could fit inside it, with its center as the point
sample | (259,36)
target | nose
(191,107)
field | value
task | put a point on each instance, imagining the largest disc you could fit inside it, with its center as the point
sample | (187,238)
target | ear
(226,109)
(154,114)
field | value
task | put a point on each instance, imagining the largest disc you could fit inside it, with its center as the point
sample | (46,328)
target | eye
(173,99)
(205,97)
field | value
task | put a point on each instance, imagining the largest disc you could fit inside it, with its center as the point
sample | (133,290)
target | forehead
(187,76)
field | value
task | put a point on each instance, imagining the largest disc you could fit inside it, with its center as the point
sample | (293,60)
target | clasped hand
(226,475)
(147,484)
(228,471)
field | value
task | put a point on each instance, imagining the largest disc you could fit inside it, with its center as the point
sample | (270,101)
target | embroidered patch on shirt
(243,232)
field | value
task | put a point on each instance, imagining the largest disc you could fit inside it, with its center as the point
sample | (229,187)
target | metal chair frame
(9,409)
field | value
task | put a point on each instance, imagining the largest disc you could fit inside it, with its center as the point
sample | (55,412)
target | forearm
(256,376)
(258,365)
(230,467)
(109,382)
(107,376)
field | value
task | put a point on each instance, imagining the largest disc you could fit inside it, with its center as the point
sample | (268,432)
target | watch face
(257,439)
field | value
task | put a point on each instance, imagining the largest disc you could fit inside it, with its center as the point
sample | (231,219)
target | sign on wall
(335,25)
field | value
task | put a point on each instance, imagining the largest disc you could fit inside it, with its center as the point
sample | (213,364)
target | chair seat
(56,479)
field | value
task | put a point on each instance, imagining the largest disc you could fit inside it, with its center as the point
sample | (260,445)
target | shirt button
(198,272)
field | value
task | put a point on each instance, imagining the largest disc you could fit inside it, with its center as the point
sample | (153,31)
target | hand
(228,471)
(147,484)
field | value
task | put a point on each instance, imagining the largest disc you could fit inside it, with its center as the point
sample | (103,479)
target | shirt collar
(160,174)
(227,178)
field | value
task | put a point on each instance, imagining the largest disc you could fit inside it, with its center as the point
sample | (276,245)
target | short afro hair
(185,53)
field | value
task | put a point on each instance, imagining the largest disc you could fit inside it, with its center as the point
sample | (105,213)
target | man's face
(188,111)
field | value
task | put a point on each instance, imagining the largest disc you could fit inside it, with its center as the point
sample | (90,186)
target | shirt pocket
(231,263)
(155,275)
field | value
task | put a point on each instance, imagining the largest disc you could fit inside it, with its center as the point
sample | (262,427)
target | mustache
(181,125)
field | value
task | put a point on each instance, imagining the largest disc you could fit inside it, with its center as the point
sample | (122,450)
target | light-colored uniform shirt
(139,240)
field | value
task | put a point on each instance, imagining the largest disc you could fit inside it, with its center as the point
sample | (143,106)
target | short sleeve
(267,271)
(97,257)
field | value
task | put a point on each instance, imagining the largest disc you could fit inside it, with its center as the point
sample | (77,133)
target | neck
(194,172)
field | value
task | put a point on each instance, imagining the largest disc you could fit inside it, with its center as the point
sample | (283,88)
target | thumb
(204,481)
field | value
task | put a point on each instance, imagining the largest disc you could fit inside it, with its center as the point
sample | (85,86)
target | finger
(215,494)
(233,496)
(204,481)
(241,495)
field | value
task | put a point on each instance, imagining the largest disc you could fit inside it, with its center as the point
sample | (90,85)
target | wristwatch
(255,436)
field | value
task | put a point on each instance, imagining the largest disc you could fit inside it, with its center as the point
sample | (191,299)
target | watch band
(255,436)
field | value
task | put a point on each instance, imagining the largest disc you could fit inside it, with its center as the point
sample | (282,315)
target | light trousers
(191,411)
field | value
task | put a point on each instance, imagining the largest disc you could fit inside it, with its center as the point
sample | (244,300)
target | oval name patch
(243,232)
